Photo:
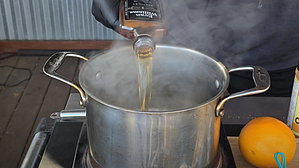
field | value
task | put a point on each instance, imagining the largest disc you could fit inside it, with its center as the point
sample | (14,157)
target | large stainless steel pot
(182,127)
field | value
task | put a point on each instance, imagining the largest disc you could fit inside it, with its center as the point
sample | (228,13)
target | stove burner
(65,144)
(223,158)
(89,162)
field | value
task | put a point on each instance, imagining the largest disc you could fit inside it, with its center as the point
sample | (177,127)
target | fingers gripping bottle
(293,116)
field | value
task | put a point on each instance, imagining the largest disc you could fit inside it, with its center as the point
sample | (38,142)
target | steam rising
(216,28)
(177,83)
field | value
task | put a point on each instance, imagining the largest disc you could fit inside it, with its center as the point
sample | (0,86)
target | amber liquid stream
(144,55)
(131,29)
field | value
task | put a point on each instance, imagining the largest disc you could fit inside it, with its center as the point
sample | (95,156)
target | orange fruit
(262,137)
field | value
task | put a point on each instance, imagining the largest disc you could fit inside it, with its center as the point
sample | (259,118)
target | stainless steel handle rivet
(220,113)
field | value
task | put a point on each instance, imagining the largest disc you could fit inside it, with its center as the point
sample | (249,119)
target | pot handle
(261,79)
(52,65)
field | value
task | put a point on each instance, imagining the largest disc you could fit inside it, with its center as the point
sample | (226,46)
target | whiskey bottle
(141,17)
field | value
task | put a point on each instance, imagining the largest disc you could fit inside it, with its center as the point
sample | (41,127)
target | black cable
(12,55)
(26,69)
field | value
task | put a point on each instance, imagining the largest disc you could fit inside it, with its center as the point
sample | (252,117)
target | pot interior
(181,79)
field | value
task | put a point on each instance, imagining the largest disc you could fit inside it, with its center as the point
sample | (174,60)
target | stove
(60,141)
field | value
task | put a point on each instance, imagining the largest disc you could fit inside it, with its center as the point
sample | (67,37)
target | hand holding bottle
(106,12)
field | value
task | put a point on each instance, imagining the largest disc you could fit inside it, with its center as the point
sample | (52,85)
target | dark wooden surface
(22,106)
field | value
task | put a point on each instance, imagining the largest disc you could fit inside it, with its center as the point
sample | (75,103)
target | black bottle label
(143,10)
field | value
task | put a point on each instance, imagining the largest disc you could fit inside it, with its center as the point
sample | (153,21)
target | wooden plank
(242,163)
(56,96)
(14,46)
(6,71)
(20,126)
(10,97)
(6,55)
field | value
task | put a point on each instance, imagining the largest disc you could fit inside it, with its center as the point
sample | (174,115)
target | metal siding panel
(9,21)
(56,13)
(92,22)
(76,27)
(80,20)
(18,20)
(37,20)
(65,12)
(107,34)
(21,6)
(92,25)
(51,20)
(2,25)
(73,20)
(47,20)
(28,19)
(87,16)
(83,20)
(95,29)
(100,31)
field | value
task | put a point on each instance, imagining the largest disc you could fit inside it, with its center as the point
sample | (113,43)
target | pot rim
(214,98)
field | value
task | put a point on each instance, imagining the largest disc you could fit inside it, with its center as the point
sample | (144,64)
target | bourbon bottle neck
(144,46)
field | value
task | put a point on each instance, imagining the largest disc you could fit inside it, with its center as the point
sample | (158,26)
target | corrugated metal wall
(50,20)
